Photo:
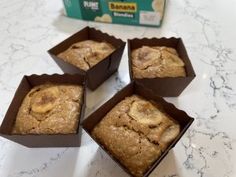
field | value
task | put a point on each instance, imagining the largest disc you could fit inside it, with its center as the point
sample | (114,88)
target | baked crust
(136,132)
(86,54)
(49,109)
(156,61)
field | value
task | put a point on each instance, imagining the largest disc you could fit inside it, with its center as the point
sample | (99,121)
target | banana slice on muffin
(145,57)
(167,49)
(44,100)
(170,134)
(171,59)
(145,113)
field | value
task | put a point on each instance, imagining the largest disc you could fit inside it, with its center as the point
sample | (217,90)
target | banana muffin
(86,54)
(50,109)
(156,61)
(136,131)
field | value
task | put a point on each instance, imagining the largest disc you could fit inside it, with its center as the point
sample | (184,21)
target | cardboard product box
(31,140)
(167,86)
(130,12)
(97,74)
(135,88)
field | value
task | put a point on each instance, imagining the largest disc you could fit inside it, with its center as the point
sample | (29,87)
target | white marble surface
(29,28)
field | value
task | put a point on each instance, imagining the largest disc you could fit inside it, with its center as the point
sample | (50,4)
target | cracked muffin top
(156,61)
(50,109)
(86,54)
(136,131)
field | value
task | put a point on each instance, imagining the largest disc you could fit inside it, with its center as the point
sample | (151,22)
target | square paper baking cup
(97,74)
(167,86)
(57,140)
(135,88)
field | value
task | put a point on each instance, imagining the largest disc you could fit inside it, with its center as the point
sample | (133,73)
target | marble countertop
(29,28)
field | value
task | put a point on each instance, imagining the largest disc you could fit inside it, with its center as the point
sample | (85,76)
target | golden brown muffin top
(156,61)
(49,109)
(86,54)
